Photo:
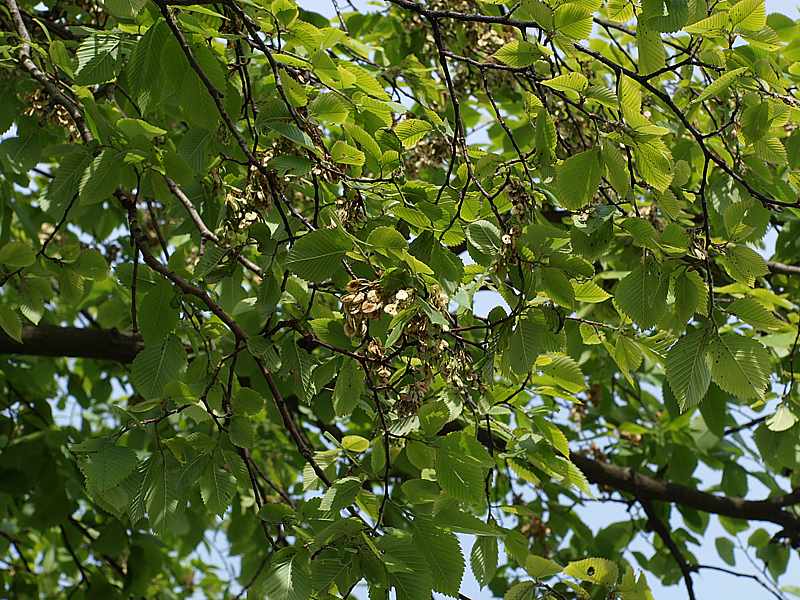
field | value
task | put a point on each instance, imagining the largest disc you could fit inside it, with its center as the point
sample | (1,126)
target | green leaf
(715,23)
(595,570)
(573,20)
(690,295)
(302,368)
(654,163)
(522,590)
(124,8)
(11,323)
(485,236)
(651,49)
(628,356)
(409,572)
(616,168)
(92,265)
(590,292)
(387,238)
(17,255)
(194,148)
(719,85)
(133,128)
(294,134)
(744,264)
(541,568)
(98,59)
(349,387)
(442,553)
(568,82)
(108,467)
(578,179)
(411,131)
(61,57)
(341,494)
(317,255)
(355,443)
(687,368)
(558,287)
(65,184)
(157,315)
(642,294)
(748,15)
(247,401)
(676,17)
(461,464)
(560,370)
(725,550)
(145,63)
(630,97)
(101,177)
(345,154)
(518,54)
(287,577)
(531,338)
(782,419)
(756,121)
(241,432)
(643,233)
(753,312)
(326,570)
(365,140)
(739,365)
(217,487)
(157,365)
(329,108)
(209,260)
(545,136)
(483,559)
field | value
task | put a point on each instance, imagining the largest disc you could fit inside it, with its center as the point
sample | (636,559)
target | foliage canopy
(246,254)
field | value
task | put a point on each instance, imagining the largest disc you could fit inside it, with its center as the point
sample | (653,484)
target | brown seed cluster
(412,396)
(431,151)
(350,210)
(522,202)
(240,215)
(365,300)
(536,529)
(40,106)
(362,303)
(257,189)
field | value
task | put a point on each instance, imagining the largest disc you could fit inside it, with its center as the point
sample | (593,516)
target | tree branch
(644,487)
(74,342)
(662,531)
(784,269)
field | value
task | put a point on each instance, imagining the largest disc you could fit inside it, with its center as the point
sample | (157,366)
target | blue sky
(708,585)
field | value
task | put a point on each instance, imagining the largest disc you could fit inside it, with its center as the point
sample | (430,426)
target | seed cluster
(431,151)
(350,210)
(40,106)
(362,303)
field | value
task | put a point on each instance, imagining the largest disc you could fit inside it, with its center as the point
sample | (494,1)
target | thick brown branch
(75,342)
(777,267)
(644,487)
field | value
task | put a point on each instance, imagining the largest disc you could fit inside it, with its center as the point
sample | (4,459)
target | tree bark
(75,342)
